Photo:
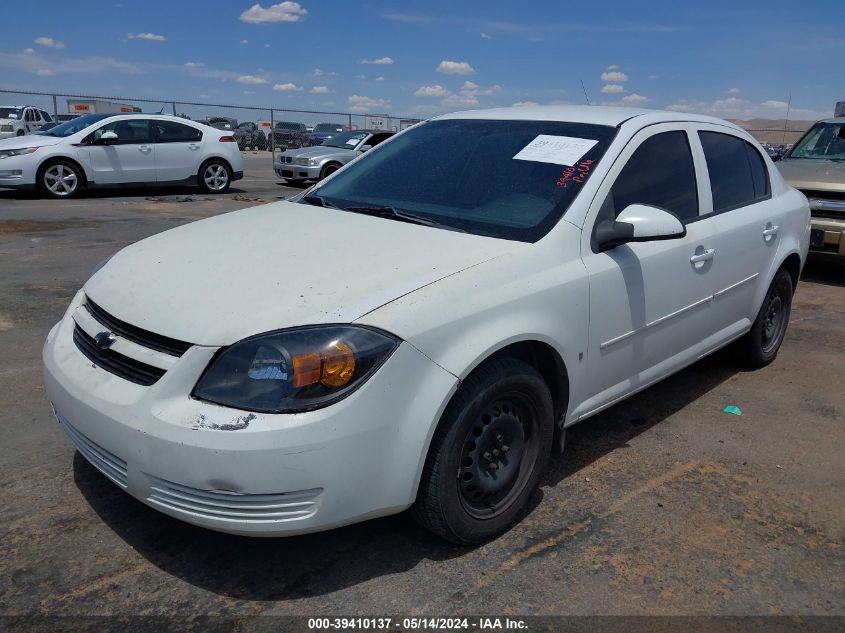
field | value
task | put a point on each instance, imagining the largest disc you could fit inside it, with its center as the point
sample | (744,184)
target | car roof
(836,119)
(597,115)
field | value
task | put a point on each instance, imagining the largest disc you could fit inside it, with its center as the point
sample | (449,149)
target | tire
(60,179)
(496,434)
(20,133)
(760,345)
(329,169)
(214,176)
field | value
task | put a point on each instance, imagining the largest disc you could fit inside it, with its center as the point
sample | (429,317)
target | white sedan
(419,330)
(102,150)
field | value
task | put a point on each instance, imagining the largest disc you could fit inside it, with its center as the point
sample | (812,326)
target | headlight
(6,153)
(294,370)
(306,162)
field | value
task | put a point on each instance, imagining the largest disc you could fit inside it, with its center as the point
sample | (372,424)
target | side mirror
(365,148)
(638,223)
(106,138)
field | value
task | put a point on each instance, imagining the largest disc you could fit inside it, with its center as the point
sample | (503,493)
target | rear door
(178,150)
(747,221)
(130,158)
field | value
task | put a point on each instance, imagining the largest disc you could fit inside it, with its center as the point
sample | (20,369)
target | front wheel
(60,179)
(328,170)
(488,450)
(760,346)
(214,177)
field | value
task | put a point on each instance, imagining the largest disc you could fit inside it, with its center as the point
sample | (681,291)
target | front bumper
(827,235)
(289,170)
(268,475)
(18,171)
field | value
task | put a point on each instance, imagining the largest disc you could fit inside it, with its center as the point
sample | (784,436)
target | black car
(323,131)
(289,135)
(250,135)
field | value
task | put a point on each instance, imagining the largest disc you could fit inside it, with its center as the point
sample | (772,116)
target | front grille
(118,364)
(824,195)
(135,334)
(107,463)
(249,508)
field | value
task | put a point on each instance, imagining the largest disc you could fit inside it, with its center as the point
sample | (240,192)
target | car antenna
(786,121)
(162,110)
(585,92)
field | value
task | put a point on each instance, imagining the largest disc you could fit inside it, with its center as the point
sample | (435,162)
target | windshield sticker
(353,141)
(12,115)
(576,174)
(559,150)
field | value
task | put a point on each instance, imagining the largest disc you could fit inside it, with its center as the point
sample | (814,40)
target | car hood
(29,140)
(813,174)
(222,279)
(318,151)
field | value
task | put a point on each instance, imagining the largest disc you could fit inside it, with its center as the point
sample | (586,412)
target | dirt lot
(663,504)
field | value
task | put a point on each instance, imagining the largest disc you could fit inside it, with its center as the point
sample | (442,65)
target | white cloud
(460,101)
(405,17)
(320,90)
(610,89)
(249,92)
(613,67)
(288,87)
(150,37)
(244,41)
(28,51)
(486,36)
(360,76)
(318,72)
(634,99)
(472,89)
(381,61)
(435,90)
(360,103)
(734,91)
(455,68)
(379,78)
(266,46)
(614,76)
(737,108)
(250,79)
(194,64)
(49,42)
(45,72)
(524,104)
(780,105)
(282,12)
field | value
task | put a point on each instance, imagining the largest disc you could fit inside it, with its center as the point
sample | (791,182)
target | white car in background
(419,329)
(21,120)
(101,150)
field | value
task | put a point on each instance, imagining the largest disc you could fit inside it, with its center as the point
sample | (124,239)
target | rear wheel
(214,176)
(490,446)
(60,179)
(760,346)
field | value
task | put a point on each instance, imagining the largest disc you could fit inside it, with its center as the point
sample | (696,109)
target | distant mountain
(771,130)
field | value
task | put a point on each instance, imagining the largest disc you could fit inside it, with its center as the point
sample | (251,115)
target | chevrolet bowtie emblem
(104,340)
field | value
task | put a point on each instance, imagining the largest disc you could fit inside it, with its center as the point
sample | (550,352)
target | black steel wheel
(488,450)
(760,346)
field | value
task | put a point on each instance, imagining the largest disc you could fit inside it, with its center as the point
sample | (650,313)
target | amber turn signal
(333,368)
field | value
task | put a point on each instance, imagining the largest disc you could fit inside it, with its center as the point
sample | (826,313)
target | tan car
(816,166)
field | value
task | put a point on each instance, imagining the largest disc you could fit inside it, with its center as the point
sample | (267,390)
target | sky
(732,59)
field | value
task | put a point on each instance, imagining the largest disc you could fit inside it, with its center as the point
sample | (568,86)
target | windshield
(328,127)
(10,113)
(825,141)
(288,126)
(222,125)
(495,178)
(346,140)
(77,125)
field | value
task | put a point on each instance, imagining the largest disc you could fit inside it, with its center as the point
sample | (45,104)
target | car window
(661,174)
(173,132)
(378,138)
(824,141)
(738,176)
(129,131)
(507,179)
(45,116)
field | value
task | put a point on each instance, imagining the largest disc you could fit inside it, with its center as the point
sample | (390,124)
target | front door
(649,301)
(129,158)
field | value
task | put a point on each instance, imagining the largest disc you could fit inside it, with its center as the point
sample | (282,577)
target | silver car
(315,163)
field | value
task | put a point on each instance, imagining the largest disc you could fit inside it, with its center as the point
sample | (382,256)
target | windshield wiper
(393,213)
(317,201)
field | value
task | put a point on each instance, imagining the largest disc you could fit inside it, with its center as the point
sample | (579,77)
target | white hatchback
(419,329)
(102,150)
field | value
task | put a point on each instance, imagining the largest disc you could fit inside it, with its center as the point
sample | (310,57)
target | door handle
(770,231)
(193,146)
(703,257)
(145,149)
